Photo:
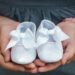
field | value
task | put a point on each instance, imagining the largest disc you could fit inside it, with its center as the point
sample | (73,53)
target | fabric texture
(35,11)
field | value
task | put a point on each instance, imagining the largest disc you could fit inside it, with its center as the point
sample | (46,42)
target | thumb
(65,43)
(4,42)
(68,54)
(6,55)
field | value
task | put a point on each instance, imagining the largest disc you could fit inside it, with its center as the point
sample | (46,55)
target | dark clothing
(35,11)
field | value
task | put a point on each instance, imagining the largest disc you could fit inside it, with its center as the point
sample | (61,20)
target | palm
(68,45)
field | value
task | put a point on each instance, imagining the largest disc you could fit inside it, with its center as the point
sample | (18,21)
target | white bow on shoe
(27,40)
(49,41)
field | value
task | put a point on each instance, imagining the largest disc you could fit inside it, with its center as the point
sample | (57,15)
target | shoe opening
(48,24)
(25,26)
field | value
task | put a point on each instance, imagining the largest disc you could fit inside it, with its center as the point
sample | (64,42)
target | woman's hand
(68,26)
(7,25)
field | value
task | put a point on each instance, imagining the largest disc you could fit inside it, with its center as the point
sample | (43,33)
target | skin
(7,25)
(68,26)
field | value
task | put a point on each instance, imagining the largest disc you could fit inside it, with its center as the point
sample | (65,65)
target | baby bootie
(22,43)
(49,42)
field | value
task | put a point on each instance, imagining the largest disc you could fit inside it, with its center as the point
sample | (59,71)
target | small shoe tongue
(29,43)
(43,36)
(43,31)
(28,31)
(29,40)
(51,32)
(41,40)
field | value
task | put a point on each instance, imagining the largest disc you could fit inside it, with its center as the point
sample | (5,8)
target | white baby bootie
(22,43)
(49,42)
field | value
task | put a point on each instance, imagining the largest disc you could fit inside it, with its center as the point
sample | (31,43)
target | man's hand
(7,25)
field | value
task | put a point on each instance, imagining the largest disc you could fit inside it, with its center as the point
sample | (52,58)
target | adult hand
(68,26)
(7,25)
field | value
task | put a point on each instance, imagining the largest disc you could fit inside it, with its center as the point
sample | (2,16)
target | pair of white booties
(26,43)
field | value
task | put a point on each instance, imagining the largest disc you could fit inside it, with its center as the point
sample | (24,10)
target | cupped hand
(68,26)
(6,26)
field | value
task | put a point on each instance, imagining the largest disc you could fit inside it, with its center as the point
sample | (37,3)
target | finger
(68,19)
(68,54)
(14,67)
(30,66)
(65,43)
(49,67)
(67,57)
(38,62)
(73,20)
(7,56)
(32,70)
(10,66)
(4,42)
